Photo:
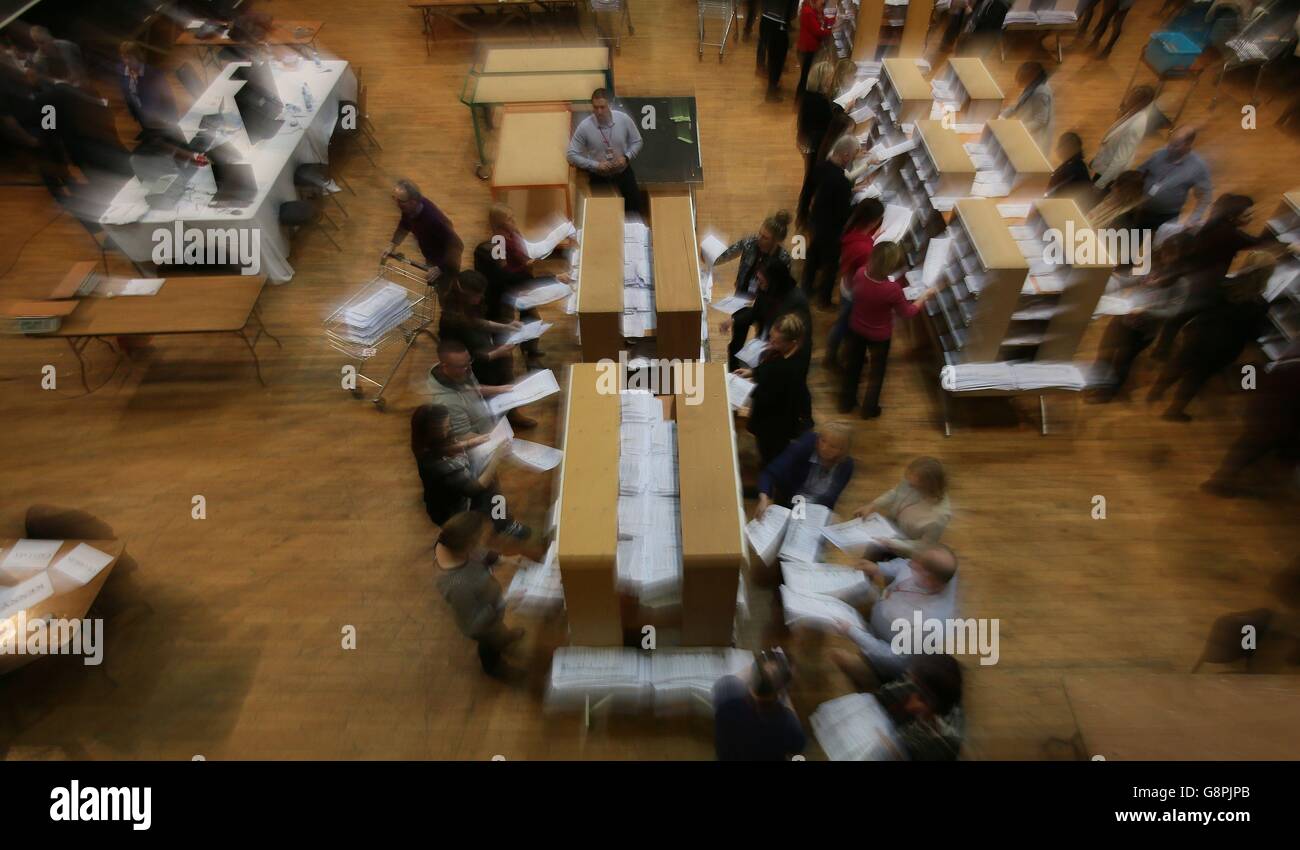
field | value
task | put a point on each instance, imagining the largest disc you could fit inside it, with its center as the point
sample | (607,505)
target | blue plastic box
(1171,51)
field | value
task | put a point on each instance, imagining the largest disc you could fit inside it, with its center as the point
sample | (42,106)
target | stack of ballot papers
(640,407)
(534,387)
(684,678)
(803,536)
(1044,375)
(1020,16)
(649,556)
(1013,376)
(1057,16)
(739,390)
(541,291)
(544,248)
(535,456)
(638,294)
(855,535)
(844,583)
(535,589)
(895,223)
(818,610)
(856,727)
(368,319)
(766,535)
(667,678)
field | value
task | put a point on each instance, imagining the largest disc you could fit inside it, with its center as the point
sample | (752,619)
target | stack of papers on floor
(803,537)
(683,678)
(535,589)
(534,387)
(370,318)
(856,727)
(766,535)
(817,610)
(855,535)
(844,583)
(666,678)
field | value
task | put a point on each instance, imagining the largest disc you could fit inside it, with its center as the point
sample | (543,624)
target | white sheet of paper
(836,580)
(855,535)
(731,304)
(530,330)
(28,557)
(535,455)
(739,390)
(1013,210)
(24,595)
(894,223)
(480,455)
(535,387)
(712,247)
(544,248)
(766,535)
(751,352)
(541,291)
(803,537)
(817,610)
(83,563)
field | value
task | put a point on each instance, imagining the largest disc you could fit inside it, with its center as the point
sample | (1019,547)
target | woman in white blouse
(1120,144)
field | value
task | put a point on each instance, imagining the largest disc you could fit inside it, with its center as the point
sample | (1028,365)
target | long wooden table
(531,151)
(676,256)
(452,11)
(481,93)
(600,279)
(184,305)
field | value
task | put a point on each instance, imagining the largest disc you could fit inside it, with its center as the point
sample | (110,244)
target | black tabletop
(672,147)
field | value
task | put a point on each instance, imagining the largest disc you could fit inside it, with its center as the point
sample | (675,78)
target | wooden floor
(226,641)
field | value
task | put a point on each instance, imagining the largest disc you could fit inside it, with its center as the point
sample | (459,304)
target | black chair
(315,176)
(300,214)
(354,125)
(190,79)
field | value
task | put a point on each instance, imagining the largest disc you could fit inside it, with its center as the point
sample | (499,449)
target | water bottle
(306,97)
(315,57)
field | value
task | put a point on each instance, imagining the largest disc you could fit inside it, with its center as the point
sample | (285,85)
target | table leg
(1060,57)
(252,349)
(80,362)
(1042,413)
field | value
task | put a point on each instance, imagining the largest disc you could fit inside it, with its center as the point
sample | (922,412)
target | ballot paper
(24,595)
(766,535)
(374,313)
(857,90)
(640,407)
(684,677)
(861,114)
(544,248)
(855,535)
(481,455)
(731,304)
(887,152)
(842,582)
(112,287)
(739,390)
(894,224)
(535,387)
(936,259)
(529,330)
(579,671)
(856,727)
(817,610)
(28,557)
(541,291)
(712,247)
(991,189)
(535,589)
(752,352)
(535,455)
(83,563)
(803,537)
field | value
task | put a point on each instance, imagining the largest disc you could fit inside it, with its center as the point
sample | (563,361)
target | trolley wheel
(482,172)
(380,403)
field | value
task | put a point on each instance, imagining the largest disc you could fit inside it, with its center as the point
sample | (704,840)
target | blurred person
(753,719)
(1121,141)
(1171,174)
(838,125)
(447,475)
(462,566)
(816,467)
(1036,105)
(146,92)
(918,506)
(439,245)
(925,584)
(829,207)
(57,58)
(1071,178)
(774,41)
(604,145)
(778,295)
(925,706)
(464,319)
(959,12)
(1112,11)
(518,267)
(1271,427)
(1118,209)
(816,23)
(780,408)
(1216,337)
(877,297)
(816,106)
(755,252)
(452,382)
(856,245)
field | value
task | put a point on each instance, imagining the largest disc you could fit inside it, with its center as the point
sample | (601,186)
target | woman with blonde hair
(918,507)
(780,406)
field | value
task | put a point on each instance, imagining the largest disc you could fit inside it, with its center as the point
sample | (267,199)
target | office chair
(300,214)
(316,177)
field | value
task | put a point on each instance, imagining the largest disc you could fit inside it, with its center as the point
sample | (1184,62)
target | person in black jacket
(832,201)
(780,408)
(820,141)
(778,295)
(774,40)
(500,280)
(147,95)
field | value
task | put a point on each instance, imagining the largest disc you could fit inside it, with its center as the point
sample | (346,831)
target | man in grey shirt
(1171,173)
(604,146)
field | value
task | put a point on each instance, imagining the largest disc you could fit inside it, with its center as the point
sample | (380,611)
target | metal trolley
(724,12)
(394,269)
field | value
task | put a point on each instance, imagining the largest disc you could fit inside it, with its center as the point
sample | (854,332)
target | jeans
(821,268)
(859,349)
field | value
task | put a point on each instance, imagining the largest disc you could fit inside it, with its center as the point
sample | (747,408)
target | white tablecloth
(132,225)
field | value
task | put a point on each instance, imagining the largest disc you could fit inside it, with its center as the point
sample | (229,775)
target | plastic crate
(1171,51)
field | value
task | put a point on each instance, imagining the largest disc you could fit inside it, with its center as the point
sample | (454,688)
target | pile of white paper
(535,589)
(766,535)
(803,537)
(685,677)
(842,582)
(856,727)
(817,610)
(368,319)
(649,558)
(667,678)
(855,535)
(1012,376)
(638,292)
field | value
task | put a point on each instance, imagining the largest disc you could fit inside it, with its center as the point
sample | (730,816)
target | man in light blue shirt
(604,146)
(1172,173)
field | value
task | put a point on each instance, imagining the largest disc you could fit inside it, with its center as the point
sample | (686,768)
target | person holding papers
(856,245)
(1120,144)
(1036,106)
(829,208)
(780,408)
(1071,178)
(462,567)
(447,475)
(925,706)
(925,585)
(439,244)
(753,719)
(452,382)
(777,296)
(877,297)
(816,23)
(1172,173)
(816,467)
(604,146)
(918,507)
(755,252)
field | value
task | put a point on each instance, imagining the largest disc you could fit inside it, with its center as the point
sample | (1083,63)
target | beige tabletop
(1186,717)
(531,150)
(518,60)
(536,88)
(183,305)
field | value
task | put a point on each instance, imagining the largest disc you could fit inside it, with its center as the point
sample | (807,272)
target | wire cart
(418,314)
(724,12)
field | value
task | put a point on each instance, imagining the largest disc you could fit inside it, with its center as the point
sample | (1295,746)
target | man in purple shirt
(438,242)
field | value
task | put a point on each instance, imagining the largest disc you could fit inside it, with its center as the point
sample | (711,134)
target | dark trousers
(805,65)
(778,46)
(821,268)
(491,645)
(766,26)
(485,503)
(531,349)
(770,447)
(751,15)
(1110,12)
(741,321)
(859,348)
(839,329)
(625,182)
(1126,337)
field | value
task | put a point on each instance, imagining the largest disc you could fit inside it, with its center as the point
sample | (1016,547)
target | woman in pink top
(876,298)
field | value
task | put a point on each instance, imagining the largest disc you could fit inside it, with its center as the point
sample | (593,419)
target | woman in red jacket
(876,298)
(815,27)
